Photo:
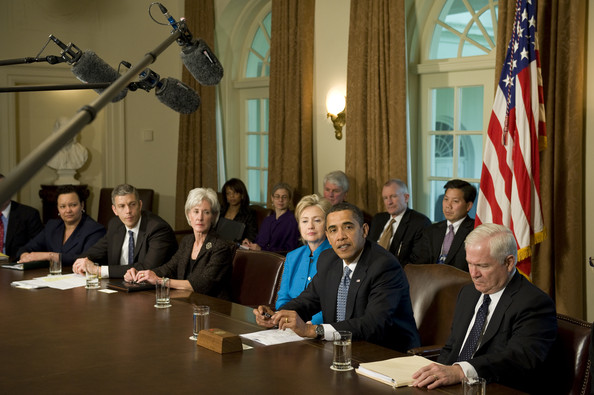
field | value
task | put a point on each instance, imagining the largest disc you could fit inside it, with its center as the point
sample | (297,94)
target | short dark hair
(65,189)
(468,189)
(237,186)
(357,214)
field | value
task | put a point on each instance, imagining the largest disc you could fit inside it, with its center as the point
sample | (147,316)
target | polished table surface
(80,340)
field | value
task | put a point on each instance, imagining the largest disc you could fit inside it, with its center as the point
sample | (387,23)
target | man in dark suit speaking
(503,326)
(400,228)
(136,238)
(359,287)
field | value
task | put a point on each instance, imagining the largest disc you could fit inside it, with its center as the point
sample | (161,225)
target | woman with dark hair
(279,231)
(71,234)
(236,207)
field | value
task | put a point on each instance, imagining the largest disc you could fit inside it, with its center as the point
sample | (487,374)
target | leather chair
(256,277)
(261,213)
(105,213)
(434,291)
(568,363)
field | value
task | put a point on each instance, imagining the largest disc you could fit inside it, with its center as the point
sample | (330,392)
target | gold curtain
(558,262)
(376,100)
(290,146)
(197,153)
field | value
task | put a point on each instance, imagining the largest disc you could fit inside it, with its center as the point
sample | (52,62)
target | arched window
(253,96)
(456,90)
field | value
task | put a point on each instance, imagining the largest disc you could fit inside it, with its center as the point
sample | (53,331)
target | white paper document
(273,336)
(65,281)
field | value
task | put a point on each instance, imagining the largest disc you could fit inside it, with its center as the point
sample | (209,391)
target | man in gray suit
(136,238)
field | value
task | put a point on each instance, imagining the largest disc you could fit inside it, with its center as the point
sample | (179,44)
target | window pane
(469,49)
(254,185)
(444,44)
(471,108)
(436,197)
(442,108)
(253,150)
(267,23)
(260,43)
(486,19)
(254,66)
(470,156)
(264,186)
(265,115)
(264,151)
(253,115)
(456,15)
(442,156)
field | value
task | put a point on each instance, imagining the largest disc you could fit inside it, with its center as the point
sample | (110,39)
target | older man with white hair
(503,326)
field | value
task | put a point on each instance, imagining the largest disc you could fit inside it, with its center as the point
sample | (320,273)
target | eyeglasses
(280,197)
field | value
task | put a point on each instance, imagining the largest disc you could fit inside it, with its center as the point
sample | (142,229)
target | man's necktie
(476,332)
(130,247)
(343,291)
(384,240)
(1,232)
(447,243)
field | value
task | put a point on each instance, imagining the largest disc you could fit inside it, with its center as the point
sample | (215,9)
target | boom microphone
(90,68)
(177,95)
(202,63)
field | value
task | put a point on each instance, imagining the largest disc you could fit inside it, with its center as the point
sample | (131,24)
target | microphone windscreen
(177,95)
(90,68)
(202,63)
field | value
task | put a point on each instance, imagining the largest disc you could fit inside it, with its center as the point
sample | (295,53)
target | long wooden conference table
(86,341)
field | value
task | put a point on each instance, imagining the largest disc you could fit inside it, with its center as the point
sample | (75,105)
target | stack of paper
(396,372)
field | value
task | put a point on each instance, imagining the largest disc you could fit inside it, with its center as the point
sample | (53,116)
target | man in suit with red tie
(400,228)
(503,326)
(442,242)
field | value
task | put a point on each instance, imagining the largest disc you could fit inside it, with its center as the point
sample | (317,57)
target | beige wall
(115,30)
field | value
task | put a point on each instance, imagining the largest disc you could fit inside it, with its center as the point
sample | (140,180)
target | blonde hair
(312,200)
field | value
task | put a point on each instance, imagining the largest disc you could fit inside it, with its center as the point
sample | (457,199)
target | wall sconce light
(336,106)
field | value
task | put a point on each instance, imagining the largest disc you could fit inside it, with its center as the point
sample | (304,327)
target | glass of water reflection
(201,320)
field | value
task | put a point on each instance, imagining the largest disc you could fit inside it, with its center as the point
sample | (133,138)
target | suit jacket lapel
(141,239)
(502,306)
(334,277)
(400,231)
(458,241)
(357,278)
(438,236)
(118,241)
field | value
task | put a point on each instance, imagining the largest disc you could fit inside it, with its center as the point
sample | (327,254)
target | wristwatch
(319,332)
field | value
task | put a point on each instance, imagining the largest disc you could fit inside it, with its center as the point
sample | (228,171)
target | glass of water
(342,351)
(201,320)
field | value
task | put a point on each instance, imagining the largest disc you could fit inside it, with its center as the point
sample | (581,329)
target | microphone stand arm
(51,59)
(29,166)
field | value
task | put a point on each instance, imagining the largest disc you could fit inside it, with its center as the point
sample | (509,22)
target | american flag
(510,180)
